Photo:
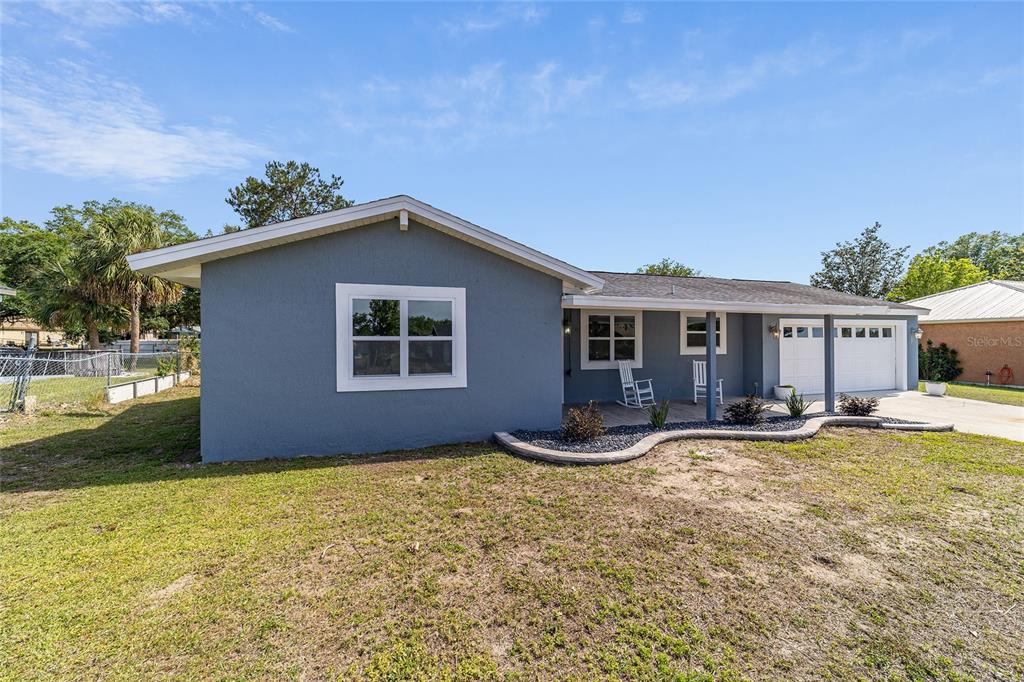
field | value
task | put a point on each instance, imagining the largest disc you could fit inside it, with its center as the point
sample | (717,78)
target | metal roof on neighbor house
(997,299)
(620,284)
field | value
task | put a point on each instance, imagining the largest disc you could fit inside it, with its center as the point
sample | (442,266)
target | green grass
(855,555)
(990,394)
(77,391)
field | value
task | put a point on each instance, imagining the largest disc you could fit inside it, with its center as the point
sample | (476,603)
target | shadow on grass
(155,440)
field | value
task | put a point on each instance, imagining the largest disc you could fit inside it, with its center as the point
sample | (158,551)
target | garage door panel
(865,358)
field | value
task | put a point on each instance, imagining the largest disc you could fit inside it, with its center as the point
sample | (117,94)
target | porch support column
(711,355)
(830,365)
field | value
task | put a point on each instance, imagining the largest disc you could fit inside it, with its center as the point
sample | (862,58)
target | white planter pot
(783,392)
(935,388)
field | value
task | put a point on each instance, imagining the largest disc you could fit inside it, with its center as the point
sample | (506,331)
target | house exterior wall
(749,365)
(672,373)
(982,346)
(269,347)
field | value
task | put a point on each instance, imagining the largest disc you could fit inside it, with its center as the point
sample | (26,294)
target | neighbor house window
(609,337)
(693,333)
(400,337)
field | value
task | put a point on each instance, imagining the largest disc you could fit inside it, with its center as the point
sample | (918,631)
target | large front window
(693,334)
(400,337)
(609,338)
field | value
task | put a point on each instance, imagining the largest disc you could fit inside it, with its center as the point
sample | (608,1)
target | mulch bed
(622,437)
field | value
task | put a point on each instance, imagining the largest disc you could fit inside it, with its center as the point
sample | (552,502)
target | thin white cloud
(462,108)
(662,89)
(495,17)
(78,123)
(632,15)
(266,20)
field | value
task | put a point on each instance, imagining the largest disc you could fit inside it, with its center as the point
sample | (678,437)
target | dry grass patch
(855,555)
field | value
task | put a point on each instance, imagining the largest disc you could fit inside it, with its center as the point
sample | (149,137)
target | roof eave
(646,303)
(175,261)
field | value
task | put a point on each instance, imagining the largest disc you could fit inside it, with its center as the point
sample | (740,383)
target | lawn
(989,394)
(855,555)
(64,392)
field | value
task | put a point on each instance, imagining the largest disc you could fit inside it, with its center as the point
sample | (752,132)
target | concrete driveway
(970,416)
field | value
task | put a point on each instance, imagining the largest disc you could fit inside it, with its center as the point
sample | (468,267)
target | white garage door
(865,355)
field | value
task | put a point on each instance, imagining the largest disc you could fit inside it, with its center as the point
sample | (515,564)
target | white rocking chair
(635,392)
(700,382)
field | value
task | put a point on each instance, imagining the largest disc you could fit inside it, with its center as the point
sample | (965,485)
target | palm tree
(63,296)
(114,237)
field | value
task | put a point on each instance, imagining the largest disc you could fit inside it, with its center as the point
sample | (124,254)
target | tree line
(72,271)
(870,266)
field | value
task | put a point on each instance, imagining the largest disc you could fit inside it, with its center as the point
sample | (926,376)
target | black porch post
(830,365)
(711,355)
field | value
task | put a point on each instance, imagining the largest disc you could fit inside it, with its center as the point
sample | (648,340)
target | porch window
(400,337)
(609,337)
(693,333)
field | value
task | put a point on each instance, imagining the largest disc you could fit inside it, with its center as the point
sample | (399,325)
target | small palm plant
(796,404)
(658,414)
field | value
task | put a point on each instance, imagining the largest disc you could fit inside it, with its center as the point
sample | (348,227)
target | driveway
(969,416)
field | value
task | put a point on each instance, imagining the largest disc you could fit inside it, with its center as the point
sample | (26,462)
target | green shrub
(583,423)
(938,363)
(658,414)
(796,404)
(188,348)
(750,410)
(166,366)
(857,407)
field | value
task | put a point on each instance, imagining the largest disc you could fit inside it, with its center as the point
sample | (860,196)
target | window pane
(886,332)
(801,332)
(817,332)
(625,349)
(873,332)
(430,318)
(696,340)
(847,332)
(859,333)
(430,357)
(599,325)
(375,317)
(625,326)
(787,332)
(600,350)
(375,358)
(696,324)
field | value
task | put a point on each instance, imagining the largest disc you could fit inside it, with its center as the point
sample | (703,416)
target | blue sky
(742,139)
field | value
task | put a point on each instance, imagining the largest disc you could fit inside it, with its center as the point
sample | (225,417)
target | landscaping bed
(622,437)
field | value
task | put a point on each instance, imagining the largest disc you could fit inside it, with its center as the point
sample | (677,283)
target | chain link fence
(79,377)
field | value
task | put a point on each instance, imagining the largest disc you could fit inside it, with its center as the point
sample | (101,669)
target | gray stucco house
(393,324)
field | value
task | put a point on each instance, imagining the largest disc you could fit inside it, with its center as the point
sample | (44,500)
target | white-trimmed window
(693,333)
(400,337)
(610,336)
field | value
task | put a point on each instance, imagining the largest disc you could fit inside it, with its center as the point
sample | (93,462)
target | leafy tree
(67,296)
(667,266)
(25,251)
(291,190)
(182,313)
(866,266)
(114,236)
(931,274)
(76,223)
(998,253)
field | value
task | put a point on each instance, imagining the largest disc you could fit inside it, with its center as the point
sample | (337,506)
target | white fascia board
(178,257)
(590,301)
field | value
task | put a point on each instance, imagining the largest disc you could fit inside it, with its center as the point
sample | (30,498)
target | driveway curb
(809,428)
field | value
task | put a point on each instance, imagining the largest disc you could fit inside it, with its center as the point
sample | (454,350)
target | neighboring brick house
(985,324)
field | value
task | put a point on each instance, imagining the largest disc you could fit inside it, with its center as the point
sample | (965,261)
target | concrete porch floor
(679,411)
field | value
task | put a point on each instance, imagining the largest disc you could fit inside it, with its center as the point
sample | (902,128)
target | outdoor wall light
(566,329)
(773,329)
(918,333)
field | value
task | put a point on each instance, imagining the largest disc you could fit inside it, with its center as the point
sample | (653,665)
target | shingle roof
(998,299)
(729,290)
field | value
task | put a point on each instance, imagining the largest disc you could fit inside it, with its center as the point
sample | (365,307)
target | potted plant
(939,364)
(783,392)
